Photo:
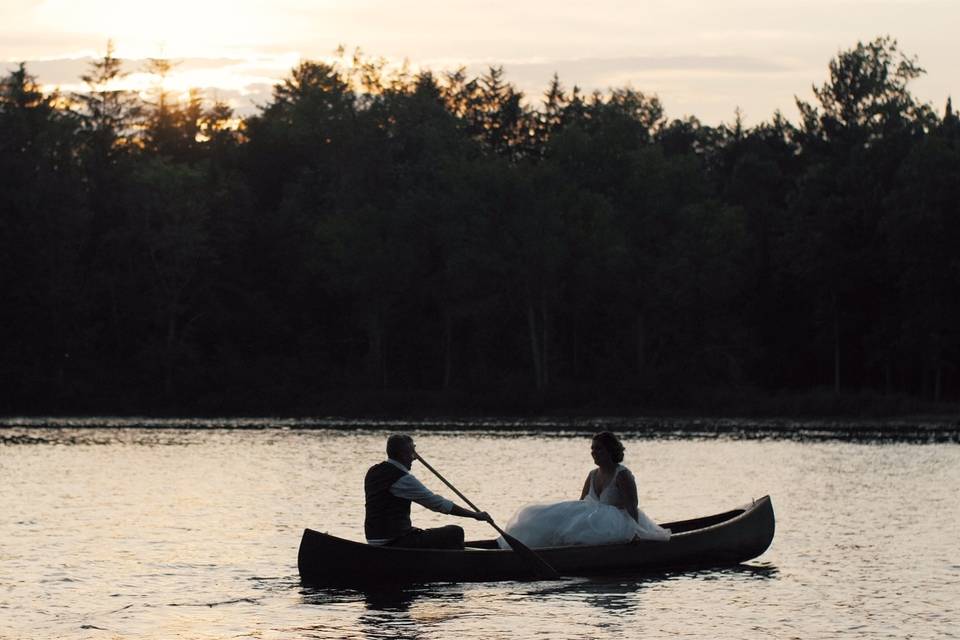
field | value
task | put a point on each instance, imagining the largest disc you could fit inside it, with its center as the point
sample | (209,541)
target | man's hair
(611,443)
(396,443)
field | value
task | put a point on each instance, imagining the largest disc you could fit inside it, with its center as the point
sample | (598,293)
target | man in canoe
(390,488)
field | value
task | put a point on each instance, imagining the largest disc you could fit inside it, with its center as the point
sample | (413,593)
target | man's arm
(467,513)
(409,488)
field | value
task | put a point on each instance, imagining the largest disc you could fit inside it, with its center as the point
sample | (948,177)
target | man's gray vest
(387,516)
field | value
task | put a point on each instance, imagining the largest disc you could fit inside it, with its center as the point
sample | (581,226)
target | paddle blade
(537,565)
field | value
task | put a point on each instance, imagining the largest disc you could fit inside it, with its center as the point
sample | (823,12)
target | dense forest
(381,240)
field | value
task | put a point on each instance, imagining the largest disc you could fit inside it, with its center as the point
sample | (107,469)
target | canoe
(726,538)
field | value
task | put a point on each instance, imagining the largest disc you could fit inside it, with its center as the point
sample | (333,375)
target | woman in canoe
(606,513)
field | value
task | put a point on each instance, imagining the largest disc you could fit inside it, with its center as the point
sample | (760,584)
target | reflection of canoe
(723,539)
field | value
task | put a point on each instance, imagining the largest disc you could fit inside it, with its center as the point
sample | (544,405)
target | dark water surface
(171,532)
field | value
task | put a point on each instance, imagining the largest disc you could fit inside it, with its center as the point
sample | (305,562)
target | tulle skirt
(578,522)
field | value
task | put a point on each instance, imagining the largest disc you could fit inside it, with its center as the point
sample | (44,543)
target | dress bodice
(611,492)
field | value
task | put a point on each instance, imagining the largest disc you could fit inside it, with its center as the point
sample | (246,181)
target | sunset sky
(702,58)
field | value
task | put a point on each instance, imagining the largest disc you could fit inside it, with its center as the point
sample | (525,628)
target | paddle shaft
(457,491)
(540,567)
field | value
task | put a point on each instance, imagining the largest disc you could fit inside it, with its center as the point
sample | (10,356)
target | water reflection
(322,597)
(623,595)
(614,605)
(764,571)
(616,597)
(387,614)
(390,599)
(406,613)
(386,598)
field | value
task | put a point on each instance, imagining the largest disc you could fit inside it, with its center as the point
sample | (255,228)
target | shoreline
(748,403)
(920,429)
(775,412)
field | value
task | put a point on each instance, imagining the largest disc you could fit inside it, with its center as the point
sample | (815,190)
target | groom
(390,488)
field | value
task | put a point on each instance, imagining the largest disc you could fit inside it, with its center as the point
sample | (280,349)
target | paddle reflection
(618,597)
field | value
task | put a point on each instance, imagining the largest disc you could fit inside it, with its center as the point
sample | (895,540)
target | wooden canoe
(726,538)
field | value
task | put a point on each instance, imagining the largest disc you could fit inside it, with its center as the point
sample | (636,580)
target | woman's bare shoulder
(624,474)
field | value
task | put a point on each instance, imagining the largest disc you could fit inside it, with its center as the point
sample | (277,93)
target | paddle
(538,565)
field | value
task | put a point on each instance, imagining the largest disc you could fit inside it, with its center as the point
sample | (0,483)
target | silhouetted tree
(856,140)
(43,214)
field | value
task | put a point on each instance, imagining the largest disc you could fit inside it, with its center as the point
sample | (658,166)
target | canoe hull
(724,539)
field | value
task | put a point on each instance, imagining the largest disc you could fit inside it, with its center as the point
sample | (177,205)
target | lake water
(111,532)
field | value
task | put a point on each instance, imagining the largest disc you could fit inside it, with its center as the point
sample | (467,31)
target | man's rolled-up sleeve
(409,488)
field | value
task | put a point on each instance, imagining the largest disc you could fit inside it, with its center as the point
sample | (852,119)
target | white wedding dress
(593,520)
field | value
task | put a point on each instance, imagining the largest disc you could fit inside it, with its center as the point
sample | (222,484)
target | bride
(606,512)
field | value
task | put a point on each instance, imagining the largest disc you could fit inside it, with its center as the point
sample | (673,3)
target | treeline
(370,235)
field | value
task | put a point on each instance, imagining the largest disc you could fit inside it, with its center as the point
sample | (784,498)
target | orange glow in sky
(702,58)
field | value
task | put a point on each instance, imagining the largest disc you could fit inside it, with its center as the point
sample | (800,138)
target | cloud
(592,67)
(709,86)
(575,70)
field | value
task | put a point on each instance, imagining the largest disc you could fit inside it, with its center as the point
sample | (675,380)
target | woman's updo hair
(612,444)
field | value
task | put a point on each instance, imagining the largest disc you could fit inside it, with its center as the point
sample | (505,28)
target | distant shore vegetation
(381,240)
